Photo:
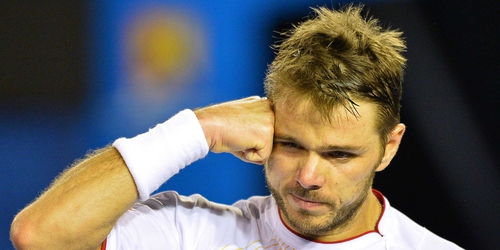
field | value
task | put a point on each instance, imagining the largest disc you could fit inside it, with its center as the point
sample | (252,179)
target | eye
(339,155)
(288,145)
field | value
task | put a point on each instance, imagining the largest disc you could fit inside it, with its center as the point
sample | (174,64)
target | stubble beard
(338,217)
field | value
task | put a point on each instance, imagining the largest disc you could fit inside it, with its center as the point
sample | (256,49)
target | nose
(309,175)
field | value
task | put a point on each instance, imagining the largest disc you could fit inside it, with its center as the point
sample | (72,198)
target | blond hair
(337,58)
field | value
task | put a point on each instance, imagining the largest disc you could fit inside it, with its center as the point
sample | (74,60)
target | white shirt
(170,221)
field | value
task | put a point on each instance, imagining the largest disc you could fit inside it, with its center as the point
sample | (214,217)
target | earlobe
(391,148)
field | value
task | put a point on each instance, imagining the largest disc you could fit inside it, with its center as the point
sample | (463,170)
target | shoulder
(400,230)
(254,206)
(430,240)
(170,219)
(172,200)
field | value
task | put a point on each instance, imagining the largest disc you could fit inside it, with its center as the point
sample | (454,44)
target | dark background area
(461,207)
(439,178)
(42,57)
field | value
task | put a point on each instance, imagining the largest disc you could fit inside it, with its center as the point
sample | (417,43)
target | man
(329,122)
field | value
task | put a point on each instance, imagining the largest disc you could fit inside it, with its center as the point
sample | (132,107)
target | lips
(300,203)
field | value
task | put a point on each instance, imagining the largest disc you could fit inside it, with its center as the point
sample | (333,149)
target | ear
(392,146)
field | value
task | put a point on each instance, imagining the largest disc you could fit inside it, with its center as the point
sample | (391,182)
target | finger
(242,156)
(252,155)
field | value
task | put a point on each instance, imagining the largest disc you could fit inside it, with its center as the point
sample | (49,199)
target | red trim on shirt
(380,198)
(103,245)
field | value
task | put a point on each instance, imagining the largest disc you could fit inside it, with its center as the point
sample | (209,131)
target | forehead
(301,119)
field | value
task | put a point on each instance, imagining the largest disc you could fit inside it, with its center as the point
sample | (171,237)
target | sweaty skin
(321,172)
(243,127)
(82,205)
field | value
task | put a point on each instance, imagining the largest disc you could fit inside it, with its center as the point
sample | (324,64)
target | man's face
(321,172)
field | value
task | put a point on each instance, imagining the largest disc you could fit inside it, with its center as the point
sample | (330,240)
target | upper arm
(69,210)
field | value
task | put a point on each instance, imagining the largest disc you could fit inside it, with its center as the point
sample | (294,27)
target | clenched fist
(242,127)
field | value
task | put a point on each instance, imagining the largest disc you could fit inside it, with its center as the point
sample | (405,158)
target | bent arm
(81,206)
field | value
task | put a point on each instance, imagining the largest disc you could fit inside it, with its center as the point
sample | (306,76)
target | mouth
(304,204)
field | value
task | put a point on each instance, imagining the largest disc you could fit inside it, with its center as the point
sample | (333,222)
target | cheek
(278,168)
(272,168)
(352,175)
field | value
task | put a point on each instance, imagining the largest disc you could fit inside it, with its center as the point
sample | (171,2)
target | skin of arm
(244,128)
(83,204)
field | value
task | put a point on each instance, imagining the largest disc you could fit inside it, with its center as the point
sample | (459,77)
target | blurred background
(76,75)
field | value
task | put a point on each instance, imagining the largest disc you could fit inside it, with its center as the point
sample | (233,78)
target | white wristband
(155,156)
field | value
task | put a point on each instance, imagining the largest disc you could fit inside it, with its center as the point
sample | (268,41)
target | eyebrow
(349,148)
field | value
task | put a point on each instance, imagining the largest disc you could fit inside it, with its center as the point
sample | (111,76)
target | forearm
(81,206)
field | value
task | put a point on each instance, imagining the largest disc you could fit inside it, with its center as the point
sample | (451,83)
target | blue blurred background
(76,75)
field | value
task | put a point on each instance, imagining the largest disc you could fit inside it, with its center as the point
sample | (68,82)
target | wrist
(155,156)
(207,127)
